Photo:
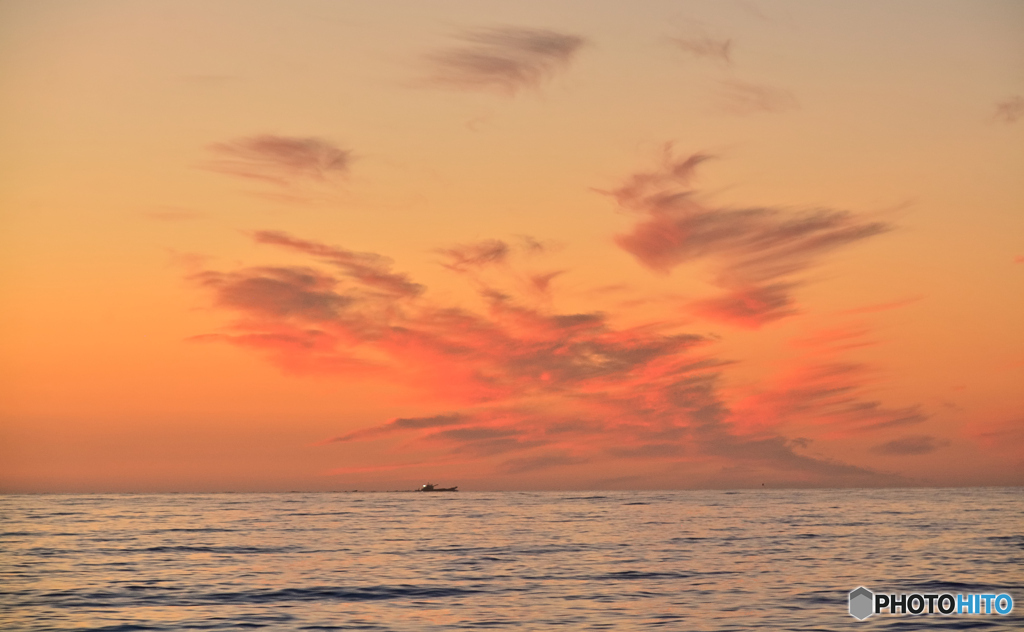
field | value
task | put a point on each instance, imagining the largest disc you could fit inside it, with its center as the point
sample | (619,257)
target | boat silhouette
(430,487)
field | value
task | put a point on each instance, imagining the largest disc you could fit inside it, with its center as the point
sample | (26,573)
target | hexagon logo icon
(860,603)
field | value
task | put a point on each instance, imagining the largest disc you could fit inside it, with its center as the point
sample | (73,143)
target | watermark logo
(864,603)
(861,603)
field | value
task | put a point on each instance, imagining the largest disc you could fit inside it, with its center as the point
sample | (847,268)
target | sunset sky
(327,245)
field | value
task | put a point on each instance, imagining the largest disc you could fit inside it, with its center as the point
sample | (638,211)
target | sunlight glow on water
(756,559)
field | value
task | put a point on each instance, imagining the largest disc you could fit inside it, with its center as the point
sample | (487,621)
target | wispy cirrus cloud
(882,307)
(277,292)
(749,306)
(757,253)
(369,269)
(503,59)
(517,387)
(829,394)
(742,98)
(821,392)
(284,161)
(476,258)
(542,462)
(1005,435)
(704,46)
(464,257)
(834,339)
(1010,110)
(400,424)
(913,445)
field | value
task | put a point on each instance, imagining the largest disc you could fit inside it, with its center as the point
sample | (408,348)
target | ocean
(678,560)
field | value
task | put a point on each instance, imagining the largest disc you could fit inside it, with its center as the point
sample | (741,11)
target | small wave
(948,587)
(124,627)
(542,549)
(1012,540)
(644,575)
(164,596)
(911,625)
(194,530)
(320,593)
(621,575)
(212,549)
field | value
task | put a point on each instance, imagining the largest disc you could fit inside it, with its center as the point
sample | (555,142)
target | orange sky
(526,245)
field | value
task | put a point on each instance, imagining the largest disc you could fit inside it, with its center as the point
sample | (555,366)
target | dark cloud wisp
(742,98)
(1010,110)
(464,257)
(370,269)
(502,59)
(277,292)
(756,252)
(404,423)
(280,160)
(705,47)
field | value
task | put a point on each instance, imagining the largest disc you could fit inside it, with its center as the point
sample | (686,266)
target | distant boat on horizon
(430,487)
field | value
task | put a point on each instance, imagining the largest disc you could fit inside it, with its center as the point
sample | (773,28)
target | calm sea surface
(760,559)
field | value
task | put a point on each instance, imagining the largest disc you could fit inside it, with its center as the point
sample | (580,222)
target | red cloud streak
(519,387)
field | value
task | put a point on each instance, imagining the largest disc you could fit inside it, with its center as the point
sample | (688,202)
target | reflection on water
(768,559)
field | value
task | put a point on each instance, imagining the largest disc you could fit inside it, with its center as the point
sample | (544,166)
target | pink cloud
(824,392)
(1005,435)
(757,253)
(748,307)
(515,386)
